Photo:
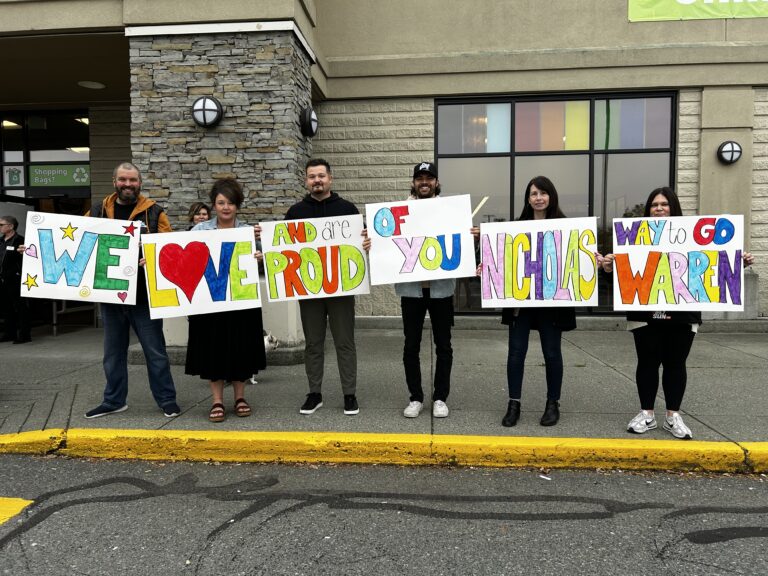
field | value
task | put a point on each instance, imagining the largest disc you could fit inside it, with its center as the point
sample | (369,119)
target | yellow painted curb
(405,449)
(357,448)
(9,507)
(588,453)
(757,455)
(34,442)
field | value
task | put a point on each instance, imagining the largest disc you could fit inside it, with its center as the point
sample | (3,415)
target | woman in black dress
(226,346)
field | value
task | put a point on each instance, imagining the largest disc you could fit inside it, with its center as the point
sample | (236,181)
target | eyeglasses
(4,224)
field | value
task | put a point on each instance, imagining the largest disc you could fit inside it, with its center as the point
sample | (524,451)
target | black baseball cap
(427,167)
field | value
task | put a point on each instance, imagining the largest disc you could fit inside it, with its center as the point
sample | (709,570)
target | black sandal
(217,413)
(242,408)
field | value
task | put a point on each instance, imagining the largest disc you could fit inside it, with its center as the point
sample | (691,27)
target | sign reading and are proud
(314,258)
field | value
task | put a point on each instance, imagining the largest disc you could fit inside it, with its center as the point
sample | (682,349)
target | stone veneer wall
(688,150)
(758,242)
(261,79)
(372,146)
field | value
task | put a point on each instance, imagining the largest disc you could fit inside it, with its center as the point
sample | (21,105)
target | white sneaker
(641,423)
(413,409)
(674,425)
(439,409)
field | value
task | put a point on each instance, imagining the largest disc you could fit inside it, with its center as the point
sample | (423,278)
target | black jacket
(660,318)
(563,318)
(10,260)
(334,205)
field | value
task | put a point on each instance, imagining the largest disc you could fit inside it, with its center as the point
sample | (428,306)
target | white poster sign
(421,239)
(679,263)
(314,258)
(542,263)
(80,258)
(201,272)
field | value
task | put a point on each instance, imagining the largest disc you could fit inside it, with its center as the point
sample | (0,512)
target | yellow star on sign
(30,282)
(68,232)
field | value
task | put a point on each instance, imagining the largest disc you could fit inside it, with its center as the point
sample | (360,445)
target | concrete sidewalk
(46,387)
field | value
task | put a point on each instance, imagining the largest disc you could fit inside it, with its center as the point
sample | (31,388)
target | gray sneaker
(413,409)
(674,425)
(439,409)
(641,423)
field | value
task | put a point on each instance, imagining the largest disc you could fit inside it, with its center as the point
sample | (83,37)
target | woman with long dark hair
(540,203)
(662,339)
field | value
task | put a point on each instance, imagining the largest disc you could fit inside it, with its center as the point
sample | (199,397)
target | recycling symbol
(80,175)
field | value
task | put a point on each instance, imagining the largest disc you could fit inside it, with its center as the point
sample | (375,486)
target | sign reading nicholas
(60,175)
(647,10)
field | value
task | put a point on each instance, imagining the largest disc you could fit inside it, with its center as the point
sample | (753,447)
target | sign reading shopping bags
(543,263)
(425,239)
(201,272)
(679,263)
(80,258)
(314,258)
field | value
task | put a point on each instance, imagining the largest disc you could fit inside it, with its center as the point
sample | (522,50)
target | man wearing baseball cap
(418,298)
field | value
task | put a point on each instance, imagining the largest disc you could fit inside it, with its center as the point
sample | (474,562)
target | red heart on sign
(184,266)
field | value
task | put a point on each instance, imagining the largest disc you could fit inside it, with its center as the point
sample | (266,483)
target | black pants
(15,310)
(441,315)
(662,346)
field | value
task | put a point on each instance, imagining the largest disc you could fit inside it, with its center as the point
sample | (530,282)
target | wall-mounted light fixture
(729,152)
(207,111)
(308,122)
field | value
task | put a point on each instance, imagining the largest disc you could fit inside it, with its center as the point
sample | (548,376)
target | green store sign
(647,10)
(60,175)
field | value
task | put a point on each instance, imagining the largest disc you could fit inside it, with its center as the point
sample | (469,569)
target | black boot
(512,415)
(551,413)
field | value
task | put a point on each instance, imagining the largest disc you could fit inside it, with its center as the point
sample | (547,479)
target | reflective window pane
(474,128)
(12,137)
(625,180)
(633,123)
(551,126)
(58,137)
(480,178)
(569,174)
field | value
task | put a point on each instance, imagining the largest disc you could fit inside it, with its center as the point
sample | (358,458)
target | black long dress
(226,345)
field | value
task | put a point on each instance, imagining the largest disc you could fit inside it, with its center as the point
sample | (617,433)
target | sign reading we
(543,263)
(314,258)
(201,272)
(681,262)
(80,258)
(425,239)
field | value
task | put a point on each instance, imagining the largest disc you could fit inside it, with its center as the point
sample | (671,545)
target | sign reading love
(214,269)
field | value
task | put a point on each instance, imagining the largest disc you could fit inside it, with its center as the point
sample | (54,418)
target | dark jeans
(118,320)
(441,316)
(666,346)
(15,309)
(550,337)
